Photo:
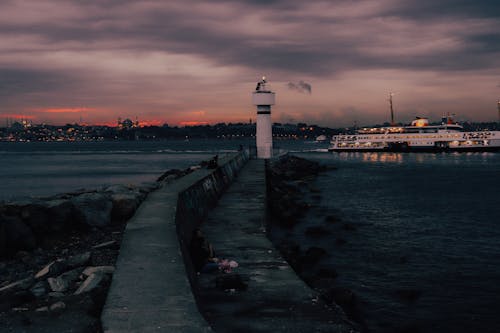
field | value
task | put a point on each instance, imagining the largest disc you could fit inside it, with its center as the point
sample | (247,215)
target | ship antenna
(498,106)
(392,110)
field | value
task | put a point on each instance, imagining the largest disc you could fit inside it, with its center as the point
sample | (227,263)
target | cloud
(165,59)
(300,86)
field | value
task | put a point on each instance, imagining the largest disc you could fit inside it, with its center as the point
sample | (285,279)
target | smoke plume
(301,86)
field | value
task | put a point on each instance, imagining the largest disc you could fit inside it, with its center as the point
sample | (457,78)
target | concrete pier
(156,289)
(151,289)
(276,300)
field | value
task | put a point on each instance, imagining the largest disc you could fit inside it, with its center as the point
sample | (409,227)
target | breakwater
(151,287)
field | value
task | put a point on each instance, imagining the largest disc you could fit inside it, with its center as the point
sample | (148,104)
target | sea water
(48,168)
(424,222)
(427,224)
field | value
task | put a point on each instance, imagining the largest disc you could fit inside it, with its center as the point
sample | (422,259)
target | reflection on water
(420,158)
(426,223)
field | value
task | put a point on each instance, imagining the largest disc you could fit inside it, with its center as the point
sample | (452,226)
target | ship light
(468,142)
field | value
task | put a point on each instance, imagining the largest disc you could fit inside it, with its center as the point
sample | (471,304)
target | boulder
(349,226)
(408,295)
(104,245)
(36,216)
(118,188)
(317,231)
(339,295)
(147,187)
(331,219)
(169,174)
(15,235)
(39,289)
(312,256)
(57,308)
(91,282)
(78,260)
(93,209)
(291,167)
(52,269)
(61,213)
(327,272)
(124,206)
(17,286)
(98,270)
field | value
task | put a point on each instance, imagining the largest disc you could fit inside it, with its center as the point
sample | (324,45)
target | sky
(331,63)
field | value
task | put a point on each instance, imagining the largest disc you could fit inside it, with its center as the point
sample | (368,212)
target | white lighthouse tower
(263,99)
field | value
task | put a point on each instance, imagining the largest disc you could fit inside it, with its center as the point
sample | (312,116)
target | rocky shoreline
(290,181)
(57,255)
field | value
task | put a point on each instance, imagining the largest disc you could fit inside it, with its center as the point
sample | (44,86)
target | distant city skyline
(331,63)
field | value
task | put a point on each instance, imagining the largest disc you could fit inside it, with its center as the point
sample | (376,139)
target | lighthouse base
(265,151)
(264,135)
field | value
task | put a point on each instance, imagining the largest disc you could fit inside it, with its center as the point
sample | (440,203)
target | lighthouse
(263,98)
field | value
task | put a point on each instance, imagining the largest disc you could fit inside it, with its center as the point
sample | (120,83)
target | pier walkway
(275,299)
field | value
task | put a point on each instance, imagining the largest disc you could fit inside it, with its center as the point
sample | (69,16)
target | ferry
(419,136)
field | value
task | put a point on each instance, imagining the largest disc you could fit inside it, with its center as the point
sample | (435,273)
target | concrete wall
(195,202)
(151,288)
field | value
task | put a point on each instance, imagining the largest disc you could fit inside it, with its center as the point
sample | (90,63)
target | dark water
(41,169)
(425,222)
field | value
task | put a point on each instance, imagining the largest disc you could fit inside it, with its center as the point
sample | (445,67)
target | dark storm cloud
(431,8)
(299,39)
(16,82)
(160,54)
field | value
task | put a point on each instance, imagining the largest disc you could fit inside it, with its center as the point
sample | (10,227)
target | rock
(291,167)
(169,174)
(341,296)
(78,260)
(327,272)
(317,231)
(332,219)
(57,284)
(17,286)
(15,299)
(53,269)
(340,241)
(230,281)
(90,283)
(36,216)
(104,245)
(147,187)
(61,212)
(55,294)
(291,252)
(118,188)
(349,226)
(15,235)
(124,206)
(39,289)
(312,255)
(64,281)
(409,295)
(42,309)
(93,209)
(403,260)
(57,308)
(98,270)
